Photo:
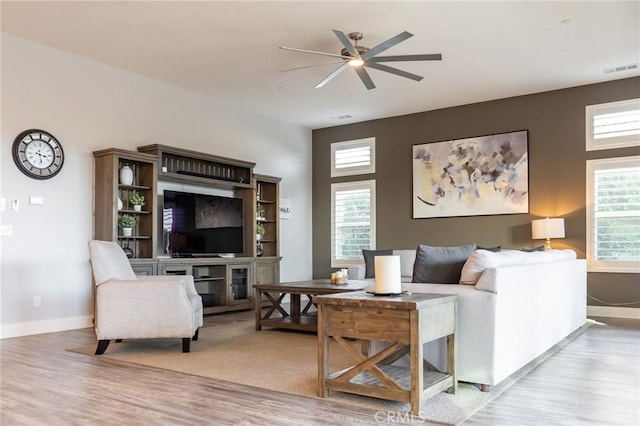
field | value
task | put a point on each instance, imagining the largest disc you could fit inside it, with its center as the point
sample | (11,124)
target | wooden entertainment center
(225,283)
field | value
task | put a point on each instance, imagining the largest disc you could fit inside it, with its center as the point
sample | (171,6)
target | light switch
(36,200)
(6,230)
(15,204)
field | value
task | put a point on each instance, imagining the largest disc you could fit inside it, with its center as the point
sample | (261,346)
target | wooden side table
(407,321)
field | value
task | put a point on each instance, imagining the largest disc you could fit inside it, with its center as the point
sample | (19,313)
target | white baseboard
(613,312)
(45,326)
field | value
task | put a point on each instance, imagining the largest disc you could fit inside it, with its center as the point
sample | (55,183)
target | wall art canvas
(484,175)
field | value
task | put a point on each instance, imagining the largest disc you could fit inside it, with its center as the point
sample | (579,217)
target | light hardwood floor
(593,381)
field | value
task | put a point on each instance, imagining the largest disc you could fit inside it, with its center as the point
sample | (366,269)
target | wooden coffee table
(296,318)
(407,321)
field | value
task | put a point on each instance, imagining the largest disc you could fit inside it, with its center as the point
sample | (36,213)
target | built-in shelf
(109,190)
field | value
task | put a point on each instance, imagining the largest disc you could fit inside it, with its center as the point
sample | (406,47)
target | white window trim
(371,186)
(591,111)
(358,170)
(594,265)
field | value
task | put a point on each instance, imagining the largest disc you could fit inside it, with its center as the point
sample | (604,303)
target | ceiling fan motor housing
(360,49)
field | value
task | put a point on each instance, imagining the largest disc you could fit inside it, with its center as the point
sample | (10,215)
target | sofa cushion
(481,260)
(496,248)
(441,265)
(407,259)
(369,255)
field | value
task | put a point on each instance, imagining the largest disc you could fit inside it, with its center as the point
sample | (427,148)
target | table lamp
(546,229)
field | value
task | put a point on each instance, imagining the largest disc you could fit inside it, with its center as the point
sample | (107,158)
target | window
(353,157)
(613,125)
(352,221)
(613,214)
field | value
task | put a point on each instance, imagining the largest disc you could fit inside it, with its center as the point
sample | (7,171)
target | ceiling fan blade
(314,52)
(386,45)
(395,71)
(309,66)
(331,75)
(347,44)
(402,58)
(364,76)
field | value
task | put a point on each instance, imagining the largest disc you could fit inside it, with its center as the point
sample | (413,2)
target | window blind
(353,157)
(617,214)
(613,125)
(352,221)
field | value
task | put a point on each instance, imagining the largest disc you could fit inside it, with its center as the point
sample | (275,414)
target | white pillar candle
(387,274)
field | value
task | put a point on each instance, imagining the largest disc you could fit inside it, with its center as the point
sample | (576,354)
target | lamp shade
(547,228)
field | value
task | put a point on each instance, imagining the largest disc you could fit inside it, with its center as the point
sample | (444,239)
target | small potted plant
(126,222)
(259,231)
(138,201)
(259,212)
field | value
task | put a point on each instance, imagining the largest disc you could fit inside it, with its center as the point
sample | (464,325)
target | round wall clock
(38,154)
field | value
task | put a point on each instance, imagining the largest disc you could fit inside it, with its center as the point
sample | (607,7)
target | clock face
(38,154)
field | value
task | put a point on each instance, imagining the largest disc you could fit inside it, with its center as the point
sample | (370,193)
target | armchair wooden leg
(102,346)
(195,336)
(186,343)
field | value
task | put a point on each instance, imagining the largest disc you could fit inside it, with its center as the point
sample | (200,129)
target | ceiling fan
(358,57)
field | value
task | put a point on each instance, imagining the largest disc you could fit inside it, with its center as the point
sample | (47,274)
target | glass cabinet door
(240,288)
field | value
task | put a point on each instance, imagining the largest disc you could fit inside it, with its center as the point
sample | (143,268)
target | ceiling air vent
(621,68)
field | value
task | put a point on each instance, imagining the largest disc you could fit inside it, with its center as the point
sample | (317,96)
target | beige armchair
(131,307)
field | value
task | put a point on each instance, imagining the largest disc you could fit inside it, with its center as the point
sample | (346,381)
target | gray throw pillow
(493,249)
(369,263)
(440,265)
(530,249)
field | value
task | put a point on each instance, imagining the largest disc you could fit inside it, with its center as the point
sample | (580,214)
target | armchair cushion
(108,261)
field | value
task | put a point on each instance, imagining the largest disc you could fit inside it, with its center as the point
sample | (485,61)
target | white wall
(90,106)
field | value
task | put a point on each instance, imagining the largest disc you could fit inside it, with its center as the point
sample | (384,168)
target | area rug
(286,362)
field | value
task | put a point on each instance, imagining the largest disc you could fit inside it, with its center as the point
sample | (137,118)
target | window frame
(345,186)
(591,111)
(354,170)
(594,265)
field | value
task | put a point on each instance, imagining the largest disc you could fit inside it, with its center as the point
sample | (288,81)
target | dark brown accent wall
(557,176)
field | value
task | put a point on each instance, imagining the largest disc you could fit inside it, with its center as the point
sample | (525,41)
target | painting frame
(476,176)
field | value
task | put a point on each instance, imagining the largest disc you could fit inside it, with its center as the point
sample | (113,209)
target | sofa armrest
(356,272)
(186,280)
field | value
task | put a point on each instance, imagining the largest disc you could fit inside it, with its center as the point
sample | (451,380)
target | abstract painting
(484,175)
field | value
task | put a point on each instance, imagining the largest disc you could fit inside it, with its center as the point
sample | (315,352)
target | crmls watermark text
(391,417)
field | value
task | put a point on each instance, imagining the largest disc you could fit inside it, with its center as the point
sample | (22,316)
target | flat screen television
(198,225)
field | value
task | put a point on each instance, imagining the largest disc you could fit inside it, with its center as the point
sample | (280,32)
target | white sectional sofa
(512,307)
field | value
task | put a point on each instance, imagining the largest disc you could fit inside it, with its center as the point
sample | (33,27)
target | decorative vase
(126,232)
(120,205)
(137,208)
(258,237)
(126,175)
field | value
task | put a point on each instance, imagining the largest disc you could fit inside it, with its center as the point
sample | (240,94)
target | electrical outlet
(37,301)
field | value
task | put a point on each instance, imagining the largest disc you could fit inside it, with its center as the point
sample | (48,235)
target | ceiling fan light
(356,62)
